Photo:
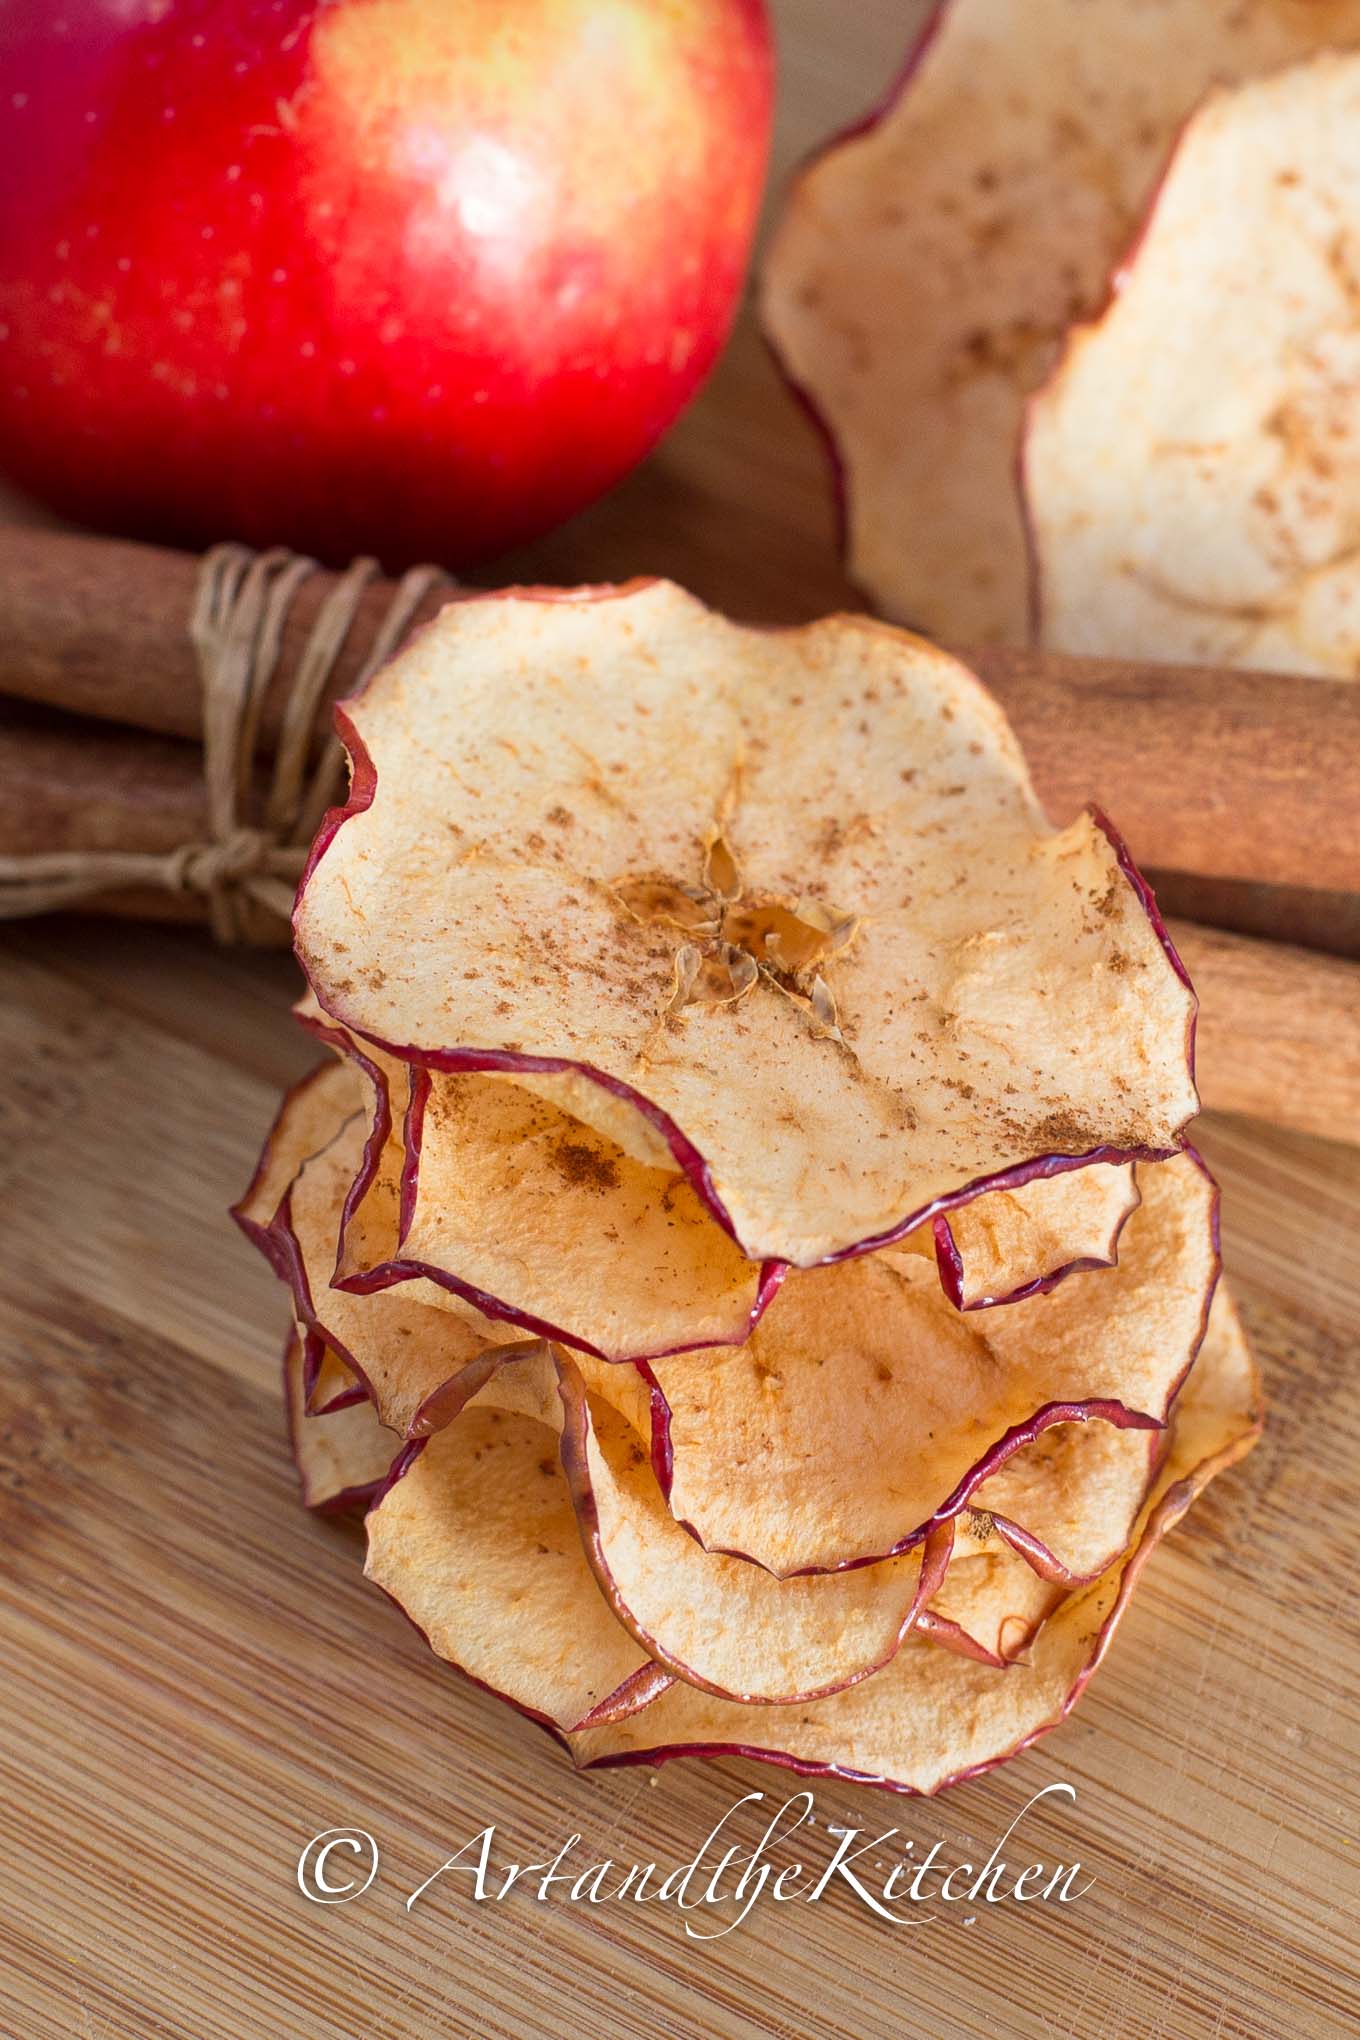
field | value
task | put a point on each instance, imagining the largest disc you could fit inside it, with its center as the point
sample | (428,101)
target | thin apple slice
(930,261)
(539,1220)
(475,1185)
(934,1717)
(490,1169)
(477,1542)
(343,1457)
(1015,1243)
(717,871)
(763,1451)
(716,1621)
(419,1355)
(1191,469)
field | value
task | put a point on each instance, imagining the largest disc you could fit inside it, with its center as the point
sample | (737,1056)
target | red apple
(419,277)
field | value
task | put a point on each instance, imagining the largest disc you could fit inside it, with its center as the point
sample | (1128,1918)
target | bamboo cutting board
(194,1680)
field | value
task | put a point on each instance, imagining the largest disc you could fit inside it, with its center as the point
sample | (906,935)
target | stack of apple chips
(743,1248)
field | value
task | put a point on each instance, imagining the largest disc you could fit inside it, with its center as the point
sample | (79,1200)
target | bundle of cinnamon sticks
(1239,793)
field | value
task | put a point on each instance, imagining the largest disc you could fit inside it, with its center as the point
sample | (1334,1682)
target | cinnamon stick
(100,627)
(1279,1031)
(1222,776)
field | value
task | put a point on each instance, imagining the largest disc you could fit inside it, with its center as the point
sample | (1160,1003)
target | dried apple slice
(718,871)
(716,1621)
(864,1364)
(930,261)
(491,1170)
(477,1542)
(934,1717)
(343,1457)
(418,1355)
(483,1166)
(1191,469)
(535,1218)
(1015,1243)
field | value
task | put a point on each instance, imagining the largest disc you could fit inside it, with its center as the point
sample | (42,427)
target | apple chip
(477,1542)
(342,1457)
(1193,466)
(721,872)
(864,1407)
(1014,1243)
(934,1717)
(490,1170)
(930,261)
(474,1186)
(538,1219)
(416,1358)
(716,1621)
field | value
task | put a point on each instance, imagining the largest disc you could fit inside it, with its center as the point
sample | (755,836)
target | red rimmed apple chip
(790,892)
(864,1407)
(343,1456)
(329,1383)
(929,263)
(491,1169)
(535,1216)
(1191,469)
(1013,1243)
(934,1717)
(716,1621)
(638,1263)
(418,1354)
(477,1542)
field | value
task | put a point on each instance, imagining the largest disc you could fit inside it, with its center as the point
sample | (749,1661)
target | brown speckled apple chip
(789,893)
(639,1267)
(526,1210)
(1192,469)
(864,1407)
(933,1717)
(930,262)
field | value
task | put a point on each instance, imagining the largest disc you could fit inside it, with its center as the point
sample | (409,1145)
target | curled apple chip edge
(933,1718)
(989,1607)
(464,1177)
(343,1457)
(329,1383)
(1013,1244)
(930,259)
(636,1267)
(739,910)
(761,1451)
(1212,522)
(418,1363)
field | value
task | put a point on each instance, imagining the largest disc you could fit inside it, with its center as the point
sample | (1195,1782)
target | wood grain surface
(194,1679)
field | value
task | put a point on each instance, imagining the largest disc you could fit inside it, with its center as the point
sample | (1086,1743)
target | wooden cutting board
(194,1680)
